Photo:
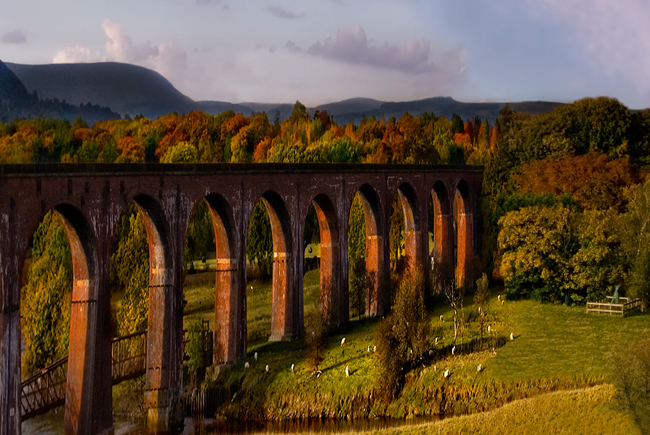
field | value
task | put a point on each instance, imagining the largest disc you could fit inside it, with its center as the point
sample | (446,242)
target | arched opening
(464,240)
(142,280)
(311,265)
(411,214)
(284,318)
(367,289)
(259,270)
(61,318)
(329,292)
(440,224)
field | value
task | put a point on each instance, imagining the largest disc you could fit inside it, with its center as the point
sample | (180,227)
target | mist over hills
(133,90)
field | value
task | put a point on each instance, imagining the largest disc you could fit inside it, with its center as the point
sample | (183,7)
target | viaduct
(91,198)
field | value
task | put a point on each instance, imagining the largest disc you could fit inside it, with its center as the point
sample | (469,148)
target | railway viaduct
(91,198)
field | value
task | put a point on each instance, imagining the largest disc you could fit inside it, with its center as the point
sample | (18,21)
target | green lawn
(554,348)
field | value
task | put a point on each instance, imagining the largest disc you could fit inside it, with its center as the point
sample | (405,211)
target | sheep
(343,342)
(488,328)
(479,368)
(292,367)
(267,368)
(246,365)
(446,374)
(255,356)
(453,350)
(435,368)
(374,349)
(436,341)
(499,297)
(442,318)
(347,371)
(512,336)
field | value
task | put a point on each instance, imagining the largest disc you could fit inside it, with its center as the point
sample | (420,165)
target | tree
(403,336)
(635,229)
(260,243)
(130,272)
(46,297)
(183,152)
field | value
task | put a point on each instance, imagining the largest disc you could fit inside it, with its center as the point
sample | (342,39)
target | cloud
(208,2)
(280,12)
(14,37)
(168,58)
(351,46)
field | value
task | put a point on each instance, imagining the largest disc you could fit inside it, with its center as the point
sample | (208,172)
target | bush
(631,375)
(403,336)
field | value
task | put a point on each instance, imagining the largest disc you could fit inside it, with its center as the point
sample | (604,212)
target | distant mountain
(126,89)
(17,102)
(11,88)
(133,90)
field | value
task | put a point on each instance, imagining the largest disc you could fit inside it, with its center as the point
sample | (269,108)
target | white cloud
(168,58)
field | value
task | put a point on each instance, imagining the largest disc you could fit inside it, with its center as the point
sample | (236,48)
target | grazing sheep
(512,336)
(368,348)
(435,368)
(430,352)
(446,374)
(255,356)
(503,302)
(453,350)
(442,318)
(246,365)
(292,367)
(374,349)
(347,371)
(436,341)
(480,368)
(343,342)
(267,368)
(498,297)
(488,328)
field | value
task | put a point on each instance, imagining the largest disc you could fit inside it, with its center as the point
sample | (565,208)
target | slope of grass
(550,413)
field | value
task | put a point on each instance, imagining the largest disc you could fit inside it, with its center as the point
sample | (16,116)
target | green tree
(403,336)
(130,272)
(46,296)
(260,242)
(183,152)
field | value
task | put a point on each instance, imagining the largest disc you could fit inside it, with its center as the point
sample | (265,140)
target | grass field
(554,348)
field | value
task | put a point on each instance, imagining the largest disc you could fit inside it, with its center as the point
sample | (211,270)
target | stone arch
(330,302)
(464,208)
(284,316)
(84,379)
(163,378)
(442,223)
(378,301)
(229,340)
(412,226)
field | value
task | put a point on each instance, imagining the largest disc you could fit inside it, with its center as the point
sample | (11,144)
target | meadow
(558,362)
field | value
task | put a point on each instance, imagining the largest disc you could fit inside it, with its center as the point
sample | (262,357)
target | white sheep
(255,356)
(512,336)
(480,368)
(343,342)
(347,371)
(446,374)
(267,368)
(453,350)
(246,365)
(292,367)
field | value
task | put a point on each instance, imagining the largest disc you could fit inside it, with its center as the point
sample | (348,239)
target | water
(52,424)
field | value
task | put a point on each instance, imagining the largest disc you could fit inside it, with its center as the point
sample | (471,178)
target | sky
(322,51)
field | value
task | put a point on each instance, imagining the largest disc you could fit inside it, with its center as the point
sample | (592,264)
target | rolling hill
(133,90)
